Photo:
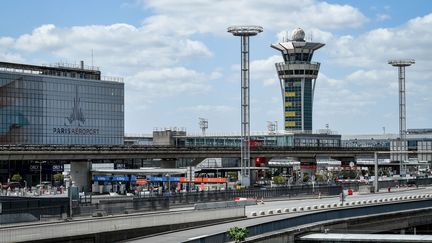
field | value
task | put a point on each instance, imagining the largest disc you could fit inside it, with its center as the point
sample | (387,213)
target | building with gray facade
(59,105)
(418,141)
(282,138)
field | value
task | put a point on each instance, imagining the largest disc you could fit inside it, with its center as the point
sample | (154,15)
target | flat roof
(336,237)
(60,70)
(146,171)
(59,67)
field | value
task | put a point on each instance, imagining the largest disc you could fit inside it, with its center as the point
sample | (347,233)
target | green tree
(320,178)
(232,174)
(16,177)
(58,177)
(305,177)
(268,174)
(238,234)
(279,179)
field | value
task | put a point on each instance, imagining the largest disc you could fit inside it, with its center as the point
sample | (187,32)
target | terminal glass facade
(44,109)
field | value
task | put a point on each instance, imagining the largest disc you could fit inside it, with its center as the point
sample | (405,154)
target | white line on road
(197,237)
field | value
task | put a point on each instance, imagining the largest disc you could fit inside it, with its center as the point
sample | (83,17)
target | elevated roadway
(115,228)
(216,233)
(95,152)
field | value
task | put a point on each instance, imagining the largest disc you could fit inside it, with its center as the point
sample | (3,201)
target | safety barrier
(338,205)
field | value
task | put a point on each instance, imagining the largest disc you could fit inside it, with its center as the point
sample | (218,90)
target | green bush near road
(238,234)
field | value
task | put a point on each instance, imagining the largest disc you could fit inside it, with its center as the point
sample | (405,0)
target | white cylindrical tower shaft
(402,104)
(245,110)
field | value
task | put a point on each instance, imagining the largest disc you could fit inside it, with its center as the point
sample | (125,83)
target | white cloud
(117,46)
(368,86)
(382,17)
(42,38)
(147,59)
(5,53)
(6,41)
(330,82)
(373,78)
(166,82)
(264,70)
(261,70)
(374,48)
(206,16)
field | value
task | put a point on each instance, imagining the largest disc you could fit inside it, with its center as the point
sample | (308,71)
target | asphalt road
(180,236)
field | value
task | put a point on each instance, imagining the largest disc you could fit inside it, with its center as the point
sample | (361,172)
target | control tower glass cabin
(297,75)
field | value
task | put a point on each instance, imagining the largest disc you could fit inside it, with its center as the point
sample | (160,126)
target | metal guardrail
(163,202)
(402,182)
(292,191)
(20,209)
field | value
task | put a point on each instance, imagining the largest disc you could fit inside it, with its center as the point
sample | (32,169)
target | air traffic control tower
(297,75)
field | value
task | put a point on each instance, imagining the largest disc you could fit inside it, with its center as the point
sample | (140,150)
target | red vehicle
(256,143)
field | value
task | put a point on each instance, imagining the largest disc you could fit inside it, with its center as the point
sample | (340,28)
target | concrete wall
(166,137)
(80,173)
(110,224)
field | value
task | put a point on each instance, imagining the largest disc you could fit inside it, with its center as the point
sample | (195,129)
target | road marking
(197,237)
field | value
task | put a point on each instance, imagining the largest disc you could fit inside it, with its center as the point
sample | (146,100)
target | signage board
(120,178)
(100,178)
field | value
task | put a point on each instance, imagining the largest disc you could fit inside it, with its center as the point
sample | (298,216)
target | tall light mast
(245,32)
(401,64)
(203,123)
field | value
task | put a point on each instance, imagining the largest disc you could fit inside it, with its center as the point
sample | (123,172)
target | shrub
(233,174)
(58,176)
(279,179)
(16,177)
(305,177)
(238,234)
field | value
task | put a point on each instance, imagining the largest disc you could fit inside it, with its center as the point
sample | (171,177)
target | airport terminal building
(60,104)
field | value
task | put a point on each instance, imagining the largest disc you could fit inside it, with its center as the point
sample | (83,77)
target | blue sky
(179,63)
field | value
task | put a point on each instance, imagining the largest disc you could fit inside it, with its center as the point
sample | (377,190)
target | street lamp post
(376,172)
(40,171)
(169,184)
